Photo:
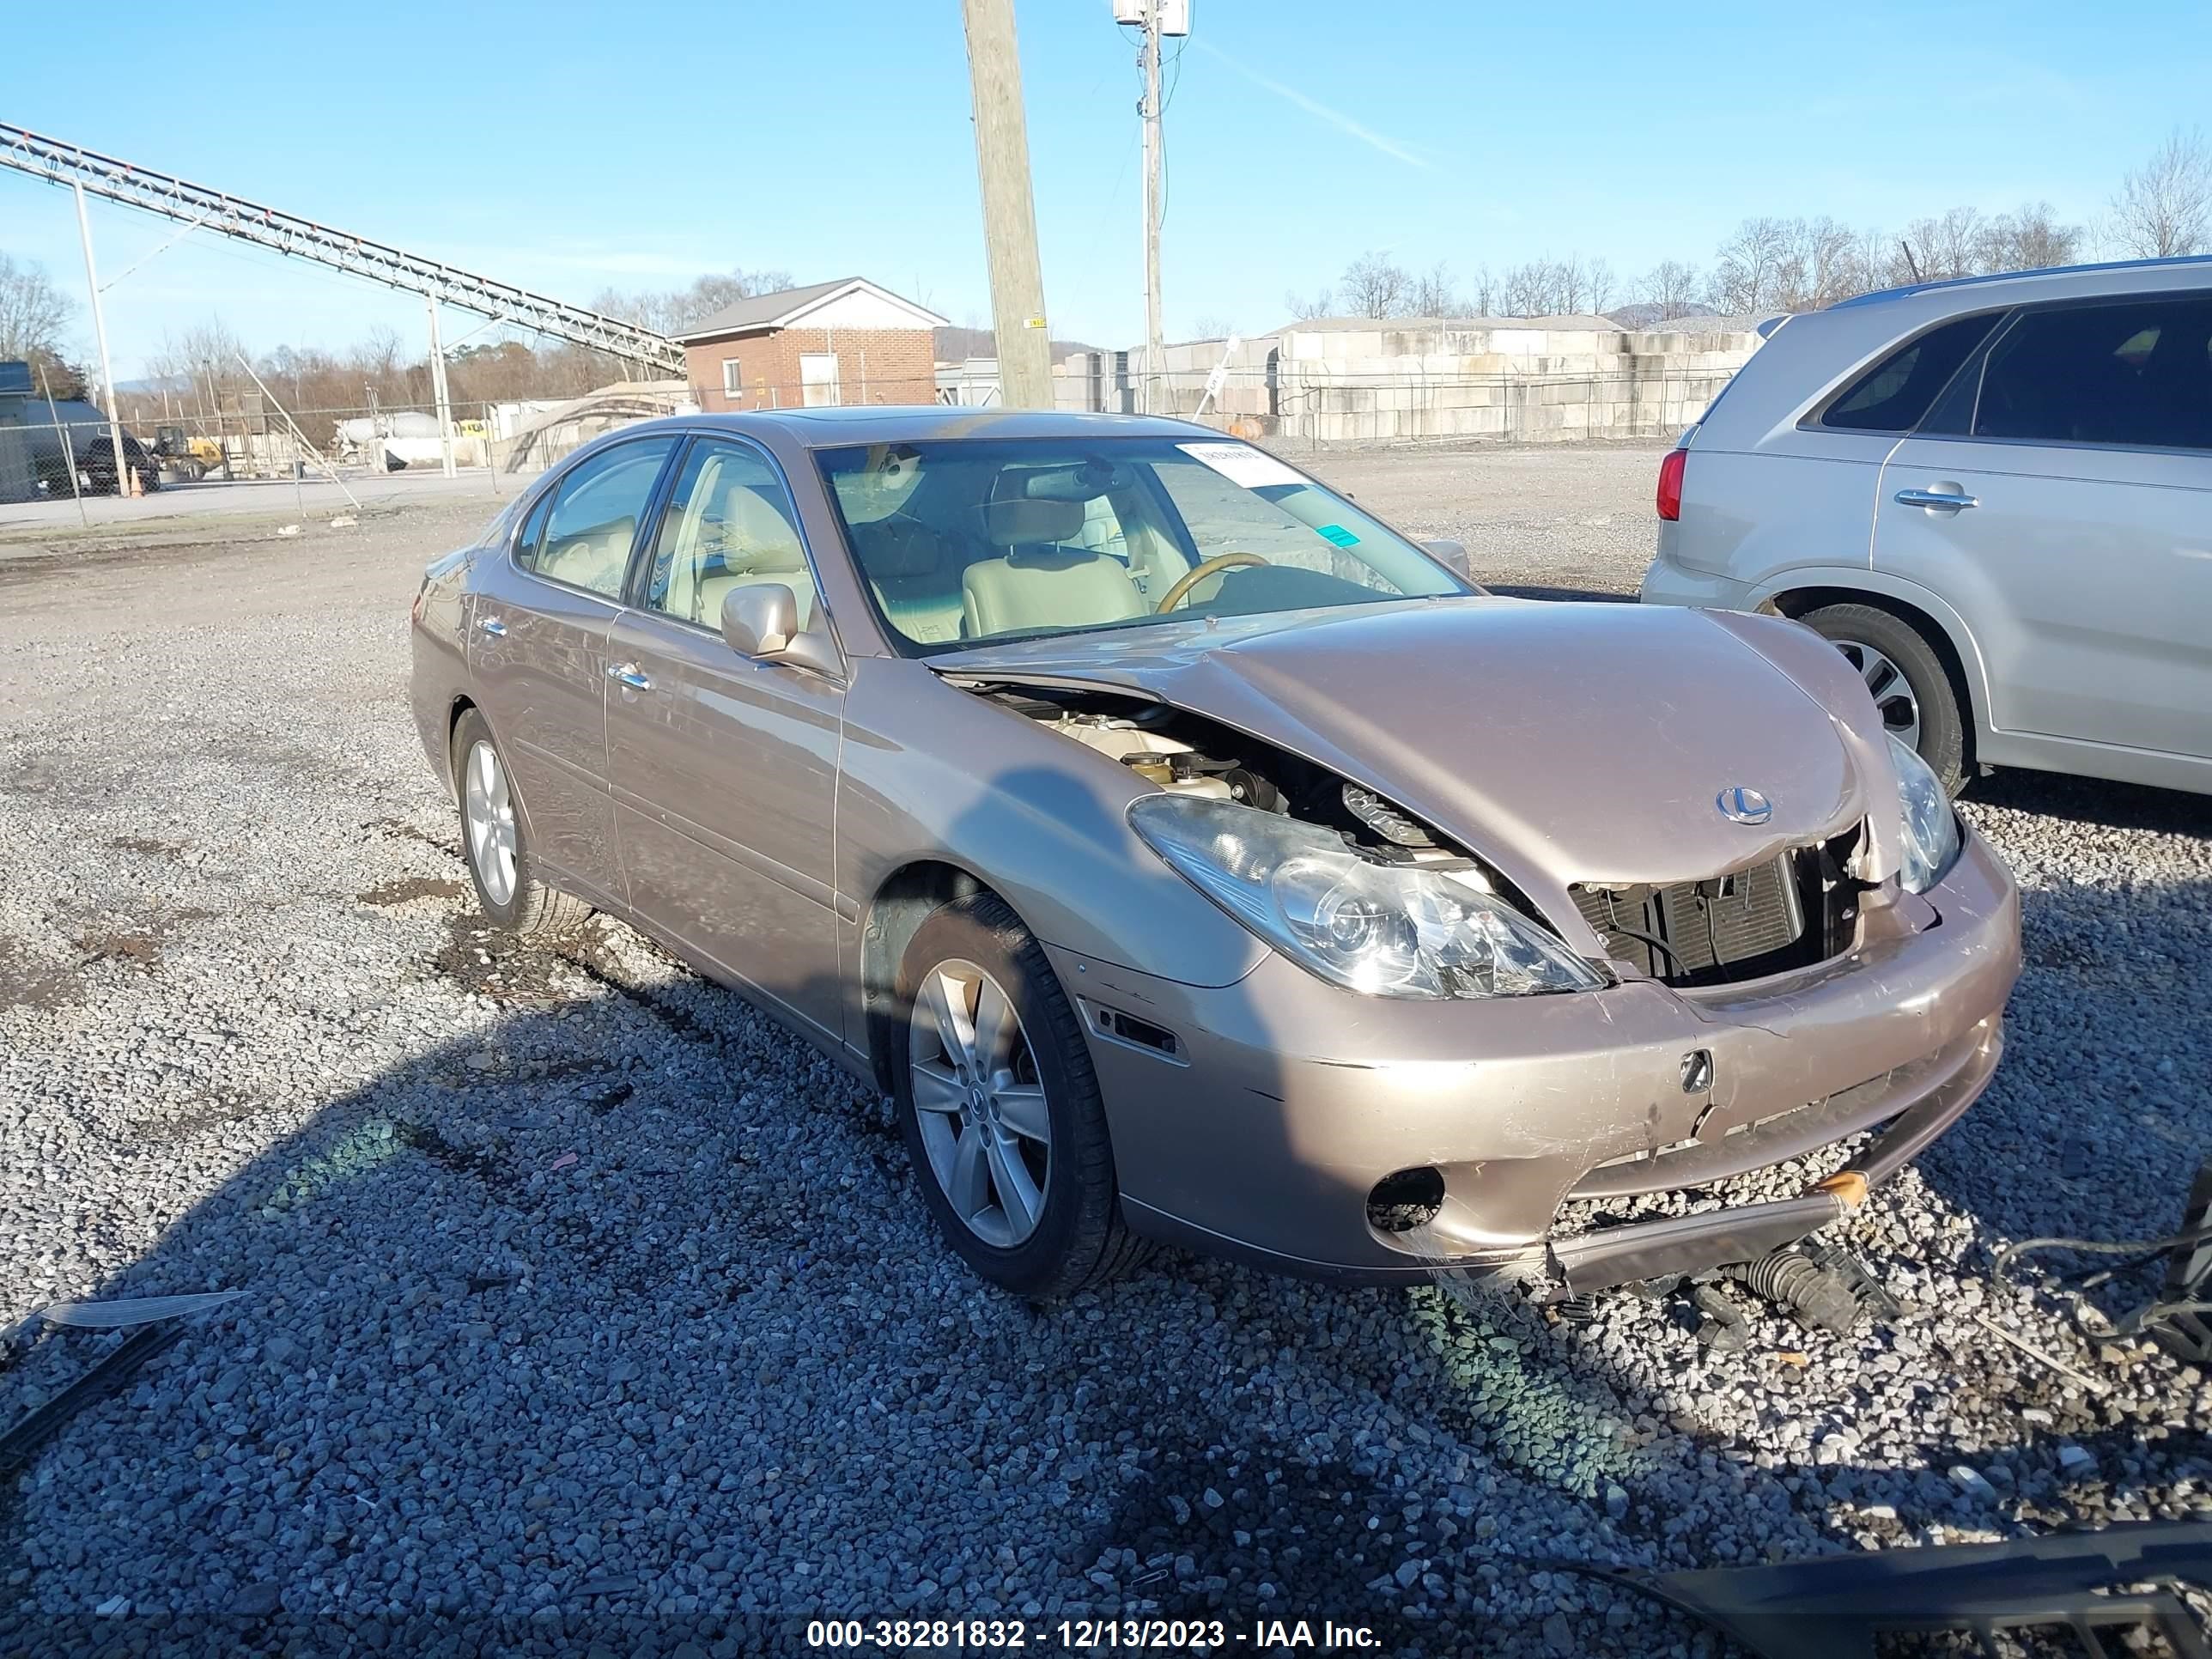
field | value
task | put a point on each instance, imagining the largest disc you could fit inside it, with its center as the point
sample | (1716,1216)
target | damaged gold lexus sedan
(1192,857)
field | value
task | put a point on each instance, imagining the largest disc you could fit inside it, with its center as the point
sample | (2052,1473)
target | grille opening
(1791,913)
(1405,1199)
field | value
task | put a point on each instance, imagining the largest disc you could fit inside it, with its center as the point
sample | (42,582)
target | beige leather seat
(1042,582)
(745,538)
(592,558)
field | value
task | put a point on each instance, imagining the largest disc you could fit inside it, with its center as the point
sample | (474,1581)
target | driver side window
(729,522)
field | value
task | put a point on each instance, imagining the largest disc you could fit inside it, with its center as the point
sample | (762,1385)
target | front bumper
(1286,1100)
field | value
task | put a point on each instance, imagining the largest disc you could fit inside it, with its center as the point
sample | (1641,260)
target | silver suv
(1994,495)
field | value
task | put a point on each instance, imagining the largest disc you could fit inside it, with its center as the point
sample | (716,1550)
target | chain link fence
(55,450)
(1321,409)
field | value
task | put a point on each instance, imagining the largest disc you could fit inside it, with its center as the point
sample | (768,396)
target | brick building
(846,341)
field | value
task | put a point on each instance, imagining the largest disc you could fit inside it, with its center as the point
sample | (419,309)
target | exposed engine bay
(1792,912)
(1188,754)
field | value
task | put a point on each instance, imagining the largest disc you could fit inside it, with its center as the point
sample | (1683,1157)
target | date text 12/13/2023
(1093,1635)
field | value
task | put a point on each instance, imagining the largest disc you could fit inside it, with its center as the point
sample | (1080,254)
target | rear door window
(1893,395)
(729,523)
(586,535)
(2135,372)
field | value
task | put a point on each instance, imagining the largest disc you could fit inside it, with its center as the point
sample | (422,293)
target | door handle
(494,626)
(1943,500)
(627,673)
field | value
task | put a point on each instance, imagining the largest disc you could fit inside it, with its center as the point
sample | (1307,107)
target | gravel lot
(578,1294)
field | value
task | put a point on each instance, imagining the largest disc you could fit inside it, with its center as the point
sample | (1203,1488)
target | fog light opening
(1405,1199)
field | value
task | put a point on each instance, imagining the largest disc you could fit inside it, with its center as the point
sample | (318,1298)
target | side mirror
(759,620)
(1452,556)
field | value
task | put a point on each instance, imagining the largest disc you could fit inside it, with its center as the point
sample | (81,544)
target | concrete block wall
(1478,378)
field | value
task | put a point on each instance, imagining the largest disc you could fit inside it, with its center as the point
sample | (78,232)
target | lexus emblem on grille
(1742,806)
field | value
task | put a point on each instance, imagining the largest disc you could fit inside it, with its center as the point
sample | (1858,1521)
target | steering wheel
(1197,573)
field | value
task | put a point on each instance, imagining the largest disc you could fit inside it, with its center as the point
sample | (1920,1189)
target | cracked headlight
(1931,828)
(1384,930)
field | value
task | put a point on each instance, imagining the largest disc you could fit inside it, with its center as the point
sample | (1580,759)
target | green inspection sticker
(1337,533)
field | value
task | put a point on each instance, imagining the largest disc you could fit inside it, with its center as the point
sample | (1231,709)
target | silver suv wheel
(979,1103)
(1892,691)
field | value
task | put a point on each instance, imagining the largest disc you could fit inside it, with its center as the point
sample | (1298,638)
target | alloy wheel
(488,807)
(979,1103)
(1892,692)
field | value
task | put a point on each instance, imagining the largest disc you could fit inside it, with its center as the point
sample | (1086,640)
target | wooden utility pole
(1151,112)
(1002,166)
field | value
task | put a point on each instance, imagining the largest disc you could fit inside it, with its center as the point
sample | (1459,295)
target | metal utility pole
(1150,110)
(437,386)
(126,480)
(1002,166)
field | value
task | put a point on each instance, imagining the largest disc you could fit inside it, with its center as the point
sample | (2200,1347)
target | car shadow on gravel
(621,1319)
(2094,802)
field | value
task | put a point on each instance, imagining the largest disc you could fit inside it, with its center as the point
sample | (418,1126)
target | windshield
(970,540)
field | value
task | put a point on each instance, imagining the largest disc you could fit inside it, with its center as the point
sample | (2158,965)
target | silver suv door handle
(1936,498)
(494,626)
(627,672)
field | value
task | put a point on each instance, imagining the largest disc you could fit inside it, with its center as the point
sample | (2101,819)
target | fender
(1881,584)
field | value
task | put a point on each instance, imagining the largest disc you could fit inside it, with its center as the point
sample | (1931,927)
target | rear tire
(1871,638)
(494,844)
(1077,1237)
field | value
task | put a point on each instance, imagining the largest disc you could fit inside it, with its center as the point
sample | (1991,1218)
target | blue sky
(566,146)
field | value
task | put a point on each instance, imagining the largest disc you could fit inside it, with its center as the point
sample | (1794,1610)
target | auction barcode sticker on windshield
(1241,463)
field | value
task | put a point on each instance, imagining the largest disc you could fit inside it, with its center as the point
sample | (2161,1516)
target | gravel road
(580,1299)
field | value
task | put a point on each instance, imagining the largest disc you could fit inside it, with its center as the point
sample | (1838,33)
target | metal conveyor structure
(193,205)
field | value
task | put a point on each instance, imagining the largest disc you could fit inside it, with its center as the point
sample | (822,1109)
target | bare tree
(2031,239)
(1815,265)
(32,310)
(1676,289)
(1484,293)
(1303,307)
(1570,286)
(209,353)
(380,355)
(1522,290)
(1536,288)
(1433,294)
(1597,275)
(710,294)
(34,315)
(1215,327)
(2165,206)
(1375,286)
(1551,287)
(1746,267)
(1942,250)
(669,310)
(1875,254)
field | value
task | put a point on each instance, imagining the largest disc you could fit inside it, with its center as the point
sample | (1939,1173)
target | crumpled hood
(1564,742)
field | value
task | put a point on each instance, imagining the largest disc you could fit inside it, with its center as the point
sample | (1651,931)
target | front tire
(1000,1109)
(493,843)
(1920,704)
